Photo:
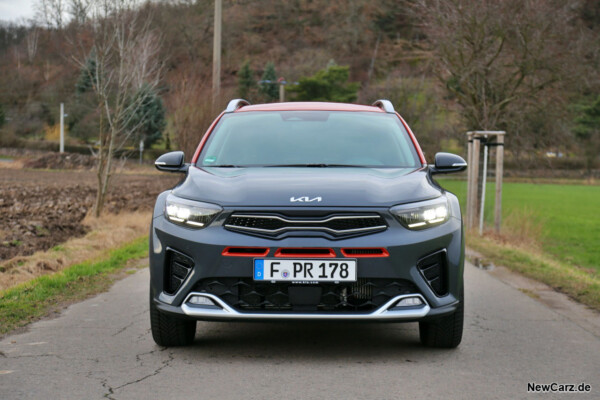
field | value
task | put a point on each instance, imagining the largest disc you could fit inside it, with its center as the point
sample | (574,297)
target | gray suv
(307,211)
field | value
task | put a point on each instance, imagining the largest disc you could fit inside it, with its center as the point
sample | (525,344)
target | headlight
(422,215)
(191,214)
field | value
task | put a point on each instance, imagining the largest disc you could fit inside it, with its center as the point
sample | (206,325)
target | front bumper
(405,249)
(387,313)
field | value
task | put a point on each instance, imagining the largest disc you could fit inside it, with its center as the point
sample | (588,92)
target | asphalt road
(102,348)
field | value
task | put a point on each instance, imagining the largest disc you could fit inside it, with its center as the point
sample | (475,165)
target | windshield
(310,139)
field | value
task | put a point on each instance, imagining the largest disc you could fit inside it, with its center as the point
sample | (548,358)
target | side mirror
(171,162)
(446,163)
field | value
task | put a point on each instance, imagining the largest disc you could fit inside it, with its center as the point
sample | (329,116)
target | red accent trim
(204,138)
(258,252)
(414,140)
(384,252)
(330,254)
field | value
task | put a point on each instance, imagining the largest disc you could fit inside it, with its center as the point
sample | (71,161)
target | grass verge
(576,282)
(27,302)
(563,220)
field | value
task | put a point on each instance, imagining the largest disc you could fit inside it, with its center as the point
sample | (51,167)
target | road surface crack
(124,328)
(36,356)
(130,324)
(165,363)
(106,386)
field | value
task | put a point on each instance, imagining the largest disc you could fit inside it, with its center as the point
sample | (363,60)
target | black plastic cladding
(178,269)
(434,269)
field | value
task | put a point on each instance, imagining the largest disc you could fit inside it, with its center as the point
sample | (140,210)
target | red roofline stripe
(414,140)
(205,138)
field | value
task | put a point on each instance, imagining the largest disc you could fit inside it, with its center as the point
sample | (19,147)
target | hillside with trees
(530,68)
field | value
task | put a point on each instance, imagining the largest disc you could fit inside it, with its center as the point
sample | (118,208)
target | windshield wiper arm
(224,166)
(320,165)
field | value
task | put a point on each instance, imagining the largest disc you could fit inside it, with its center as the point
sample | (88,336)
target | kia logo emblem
(304,199)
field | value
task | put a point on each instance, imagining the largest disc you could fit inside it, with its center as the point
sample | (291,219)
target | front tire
(445,332)
(170,331)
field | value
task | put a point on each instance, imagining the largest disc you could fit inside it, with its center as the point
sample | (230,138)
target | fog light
(201,301)
(410,302)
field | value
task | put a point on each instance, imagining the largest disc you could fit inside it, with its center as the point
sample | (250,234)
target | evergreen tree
(87,76)
(149,118)
(246,82)
(268,87)
(329,84)
(587,131)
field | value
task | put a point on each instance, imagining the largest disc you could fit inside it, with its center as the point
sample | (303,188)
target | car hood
(318,187)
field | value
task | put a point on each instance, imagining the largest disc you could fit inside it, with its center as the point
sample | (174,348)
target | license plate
(330,270)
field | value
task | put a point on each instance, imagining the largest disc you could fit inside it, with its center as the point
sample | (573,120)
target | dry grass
(519,247)
(16,163)
(580,284)
(521,228)
(106,232)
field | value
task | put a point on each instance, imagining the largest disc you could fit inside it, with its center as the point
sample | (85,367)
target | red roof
(309,106)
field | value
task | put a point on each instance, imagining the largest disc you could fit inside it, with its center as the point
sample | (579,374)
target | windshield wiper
(224,166)
(321,165)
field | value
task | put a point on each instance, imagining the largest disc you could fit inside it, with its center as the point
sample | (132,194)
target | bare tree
(118,51)
(78,10)
(190,113)
(494,54)
(31,40)
(51,13)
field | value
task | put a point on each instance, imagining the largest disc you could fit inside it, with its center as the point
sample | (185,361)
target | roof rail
(235,104)
(385,105)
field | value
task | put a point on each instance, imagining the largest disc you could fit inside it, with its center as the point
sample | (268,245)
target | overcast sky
(12,10)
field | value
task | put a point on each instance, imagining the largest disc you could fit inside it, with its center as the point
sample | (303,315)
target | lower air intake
(364,295)
(434,269)
(177,270)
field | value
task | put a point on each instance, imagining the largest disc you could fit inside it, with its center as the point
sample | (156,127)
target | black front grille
(177,269)
(434,269)
(365,295)
(363,252)
(337,225)
(304,251)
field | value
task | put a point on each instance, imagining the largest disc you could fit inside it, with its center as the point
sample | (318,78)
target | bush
(329,84)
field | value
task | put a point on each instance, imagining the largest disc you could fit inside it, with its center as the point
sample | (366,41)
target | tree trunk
(99,204)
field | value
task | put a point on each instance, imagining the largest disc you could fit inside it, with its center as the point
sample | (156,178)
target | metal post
(281,92)
(484,179)
(141,150)
(62,128)
(469,174)
(216,73)
(474,181)
(499,173)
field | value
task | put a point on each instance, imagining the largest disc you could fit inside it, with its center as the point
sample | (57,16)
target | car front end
(314,241)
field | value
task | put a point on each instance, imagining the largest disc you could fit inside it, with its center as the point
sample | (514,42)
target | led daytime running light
(190,214)
(430,213)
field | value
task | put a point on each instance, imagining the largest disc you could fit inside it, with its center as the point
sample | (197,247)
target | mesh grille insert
(365,295)
(245,251)
(365,252)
